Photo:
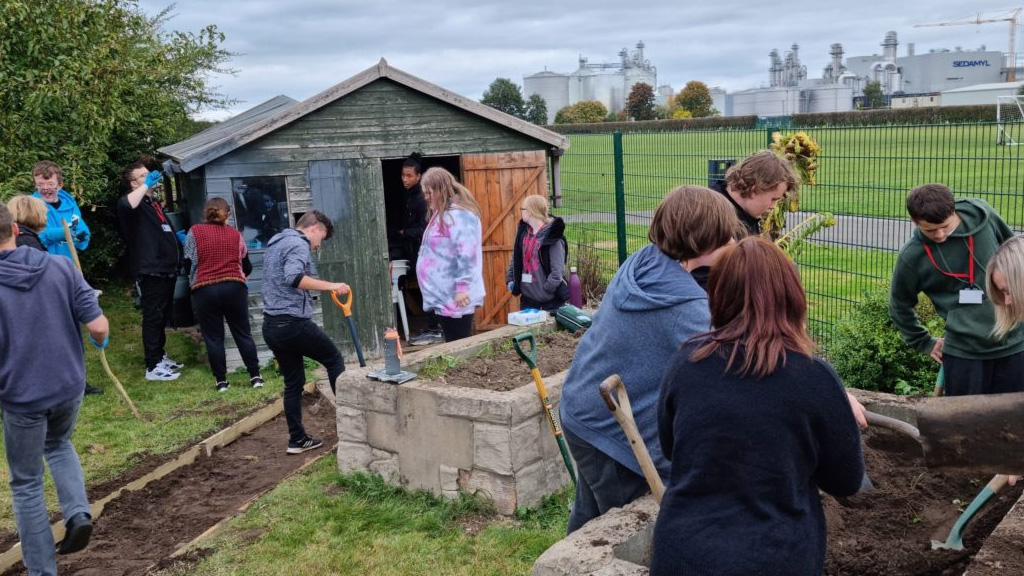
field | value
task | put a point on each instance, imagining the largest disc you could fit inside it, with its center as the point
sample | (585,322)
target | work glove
(153,178)
(106,341)
(181,236)
(510,284)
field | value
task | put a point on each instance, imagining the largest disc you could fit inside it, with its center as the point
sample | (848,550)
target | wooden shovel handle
(875,419)
(623,413)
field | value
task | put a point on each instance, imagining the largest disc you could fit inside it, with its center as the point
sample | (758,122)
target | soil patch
(503,370)
(887,531)
(140,529)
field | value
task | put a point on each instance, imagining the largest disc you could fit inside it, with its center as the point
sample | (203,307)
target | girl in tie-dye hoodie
(450,264)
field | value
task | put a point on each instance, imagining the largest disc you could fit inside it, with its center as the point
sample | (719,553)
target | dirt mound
(505,370)
(887,531)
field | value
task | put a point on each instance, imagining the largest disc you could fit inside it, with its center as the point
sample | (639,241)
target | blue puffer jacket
(52,236)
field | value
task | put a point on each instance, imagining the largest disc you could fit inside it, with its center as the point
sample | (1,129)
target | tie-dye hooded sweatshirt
(450,261)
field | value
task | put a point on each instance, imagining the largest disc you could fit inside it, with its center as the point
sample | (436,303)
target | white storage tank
(553,87)
(766,102)
(824,99)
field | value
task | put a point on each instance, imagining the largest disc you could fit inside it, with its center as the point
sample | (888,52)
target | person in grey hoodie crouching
(288,328)
(39,397)
(652,305)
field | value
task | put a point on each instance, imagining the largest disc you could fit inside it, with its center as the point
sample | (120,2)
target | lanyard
(159,212)
(970,256)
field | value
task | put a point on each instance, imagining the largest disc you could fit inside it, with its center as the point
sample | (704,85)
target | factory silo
(553,87)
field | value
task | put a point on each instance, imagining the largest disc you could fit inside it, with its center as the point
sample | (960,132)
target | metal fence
(611,184)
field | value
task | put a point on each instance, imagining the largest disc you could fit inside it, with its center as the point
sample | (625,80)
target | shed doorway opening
(399,248)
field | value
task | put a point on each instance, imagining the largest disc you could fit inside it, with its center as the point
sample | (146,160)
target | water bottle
(575,289)
(392,352)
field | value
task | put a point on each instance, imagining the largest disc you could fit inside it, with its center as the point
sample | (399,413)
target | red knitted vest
(219,250)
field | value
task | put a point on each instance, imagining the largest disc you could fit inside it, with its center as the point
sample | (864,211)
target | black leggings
(456,328)
(214,304)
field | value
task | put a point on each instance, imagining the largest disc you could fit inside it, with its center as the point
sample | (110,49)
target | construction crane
(1005,16)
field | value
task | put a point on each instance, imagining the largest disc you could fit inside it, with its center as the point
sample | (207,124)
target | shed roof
(267,117)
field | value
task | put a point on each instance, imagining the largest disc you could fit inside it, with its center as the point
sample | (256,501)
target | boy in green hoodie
(945,258)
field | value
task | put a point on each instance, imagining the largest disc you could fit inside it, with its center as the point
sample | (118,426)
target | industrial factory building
(608,83)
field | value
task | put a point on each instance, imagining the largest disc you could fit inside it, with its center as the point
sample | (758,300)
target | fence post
(620,197)
(768,131)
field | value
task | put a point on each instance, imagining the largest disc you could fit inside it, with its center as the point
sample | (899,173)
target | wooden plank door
(350,193)
(500,182)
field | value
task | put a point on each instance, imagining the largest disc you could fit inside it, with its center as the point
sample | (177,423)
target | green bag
(572,318)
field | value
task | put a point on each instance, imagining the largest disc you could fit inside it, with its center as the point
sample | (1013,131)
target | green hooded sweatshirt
(968,326)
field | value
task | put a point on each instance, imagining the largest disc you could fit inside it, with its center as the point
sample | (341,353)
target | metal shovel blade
(974,434)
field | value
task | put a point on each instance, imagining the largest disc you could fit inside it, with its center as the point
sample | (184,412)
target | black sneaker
(222,386)
(257,381)
(427,337)
(77,532)
(90,389)
(309,443)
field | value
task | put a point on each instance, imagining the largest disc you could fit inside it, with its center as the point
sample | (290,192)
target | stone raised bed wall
(447,439)
(619,542)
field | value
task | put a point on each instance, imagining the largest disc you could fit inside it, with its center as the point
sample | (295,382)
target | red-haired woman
(219,266)
(754,426)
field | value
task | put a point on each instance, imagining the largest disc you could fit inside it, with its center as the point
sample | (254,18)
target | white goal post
(1009,120)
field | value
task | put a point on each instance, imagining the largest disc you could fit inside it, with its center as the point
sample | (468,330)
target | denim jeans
(28,438)
(291,339)
(601,482)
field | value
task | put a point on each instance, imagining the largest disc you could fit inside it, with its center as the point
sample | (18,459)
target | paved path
(851,231)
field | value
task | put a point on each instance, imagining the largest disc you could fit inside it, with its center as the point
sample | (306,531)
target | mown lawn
(864,170)
(110,441)
(320,522)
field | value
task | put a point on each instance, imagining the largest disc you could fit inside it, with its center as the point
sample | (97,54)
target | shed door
(349,193)
(500,182)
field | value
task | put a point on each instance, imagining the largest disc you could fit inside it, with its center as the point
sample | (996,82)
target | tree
(873,96)
(536,110)
(506,96)
(92,84)
(695,98)
(640,102)
(583,112)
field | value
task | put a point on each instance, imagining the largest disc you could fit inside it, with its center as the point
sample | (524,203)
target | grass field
(109,440)
(864,170)
(322,523)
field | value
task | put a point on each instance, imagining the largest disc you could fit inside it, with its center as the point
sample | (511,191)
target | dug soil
(887,531)
(139,530)
(504,370)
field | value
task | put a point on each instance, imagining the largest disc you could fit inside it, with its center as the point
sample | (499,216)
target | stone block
(531,484)
(448,478)
(382,431)
(353,457)
(385,465)
(351,424)
(361,392)
(424,440)
(526,402)
(473,404)
(527,441)
(492,448)
(499,489)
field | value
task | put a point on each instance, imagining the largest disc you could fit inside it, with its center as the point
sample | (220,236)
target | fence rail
(611,184)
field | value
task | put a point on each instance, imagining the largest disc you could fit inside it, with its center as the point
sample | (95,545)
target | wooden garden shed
(340,152)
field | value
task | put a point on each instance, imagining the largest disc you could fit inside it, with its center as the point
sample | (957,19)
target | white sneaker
(170,364)
(161,373)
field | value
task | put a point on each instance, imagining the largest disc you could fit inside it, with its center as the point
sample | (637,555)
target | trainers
(222,386)
(257,381)
(427,337)
(90,389)
(309,443)
(161,373)
(170,364)
(77,532)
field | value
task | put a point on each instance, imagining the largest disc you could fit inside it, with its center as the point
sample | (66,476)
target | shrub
(868,352)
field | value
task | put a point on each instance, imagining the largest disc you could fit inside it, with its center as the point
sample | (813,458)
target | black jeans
(994,376)
(156,294)
(291,339)
(601,482)
(214,304)
(456,328)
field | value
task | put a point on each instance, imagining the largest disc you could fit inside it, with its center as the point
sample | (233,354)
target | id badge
(971,296)
(165,227)
(527,278)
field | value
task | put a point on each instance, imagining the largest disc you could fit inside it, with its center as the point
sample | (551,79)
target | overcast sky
(300,47)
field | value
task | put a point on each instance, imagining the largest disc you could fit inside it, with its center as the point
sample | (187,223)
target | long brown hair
(757,304)
(440,182)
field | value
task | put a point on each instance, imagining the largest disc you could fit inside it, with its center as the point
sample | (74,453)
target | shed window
(261,207)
